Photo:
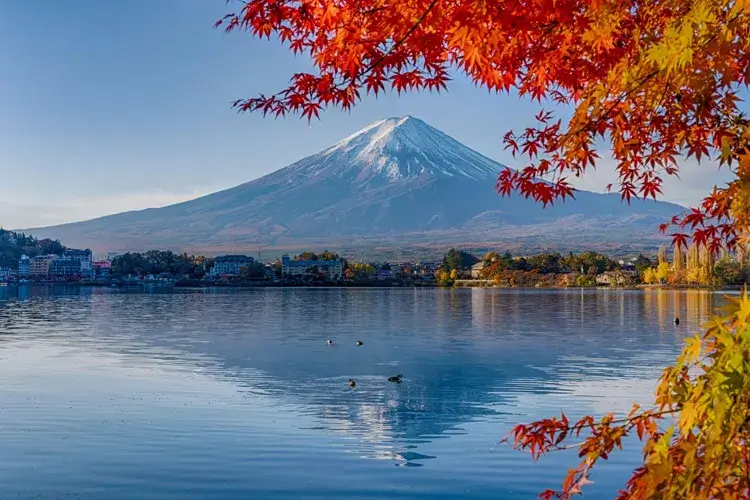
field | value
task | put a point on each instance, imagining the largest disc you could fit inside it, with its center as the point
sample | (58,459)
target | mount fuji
(398,181)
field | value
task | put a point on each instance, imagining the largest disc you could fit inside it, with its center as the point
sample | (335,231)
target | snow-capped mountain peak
(396,182)
(389,133)
(400,148)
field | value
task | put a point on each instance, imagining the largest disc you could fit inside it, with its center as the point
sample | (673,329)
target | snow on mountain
(404,148)
(398,180)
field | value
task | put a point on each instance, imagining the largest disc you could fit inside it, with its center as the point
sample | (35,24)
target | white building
(24,266)
(331,268)
(477,270)
(230,265)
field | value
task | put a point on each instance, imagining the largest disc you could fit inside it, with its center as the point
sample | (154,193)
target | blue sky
(113,106)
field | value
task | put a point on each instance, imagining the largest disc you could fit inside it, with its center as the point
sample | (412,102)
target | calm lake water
(227,394)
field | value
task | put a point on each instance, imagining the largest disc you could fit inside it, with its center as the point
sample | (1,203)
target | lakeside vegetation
(589,269)
(650,85)
(698,267)
(693,267)
(14,245)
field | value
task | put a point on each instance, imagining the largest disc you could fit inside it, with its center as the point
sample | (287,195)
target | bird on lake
(330,341)
(352,383)
(677,321)
(359,342)
(396,378)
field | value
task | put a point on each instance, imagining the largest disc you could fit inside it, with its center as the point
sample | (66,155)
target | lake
(235,394)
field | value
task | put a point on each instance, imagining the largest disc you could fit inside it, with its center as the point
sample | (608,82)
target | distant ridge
(398,181)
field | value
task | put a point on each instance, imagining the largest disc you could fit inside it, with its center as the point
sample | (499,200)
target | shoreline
(264,284)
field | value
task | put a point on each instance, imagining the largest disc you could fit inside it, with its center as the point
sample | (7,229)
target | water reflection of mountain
(463,353)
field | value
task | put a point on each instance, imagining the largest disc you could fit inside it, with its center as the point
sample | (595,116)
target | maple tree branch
(399,42)
(348,25)
(627,94)
(623,96)
(370,67)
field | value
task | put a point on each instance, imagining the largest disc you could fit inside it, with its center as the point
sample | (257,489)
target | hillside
(397,181)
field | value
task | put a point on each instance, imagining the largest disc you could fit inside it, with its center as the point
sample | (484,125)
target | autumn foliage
(696,437)
(657,80)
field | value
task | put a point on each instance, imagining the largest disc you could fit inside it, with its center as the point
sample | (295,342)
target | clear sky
(114,106)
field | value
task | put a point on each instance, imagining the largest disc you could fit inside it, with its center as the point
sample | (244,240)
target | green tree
(252,270)
(458,259)
(546,263)
(642,263)
(326,255)
(728,271)
(306,256)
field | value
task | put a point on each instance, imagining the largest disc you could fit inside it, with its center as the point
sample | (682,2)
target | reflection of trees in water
(693,307)
(462,352)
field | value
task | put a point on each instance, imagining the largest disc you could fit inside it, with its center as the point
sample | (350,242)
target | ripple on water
(235,394)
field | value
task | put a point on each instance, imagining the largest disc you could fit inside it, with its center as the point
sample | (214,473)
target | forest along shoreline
(25,259)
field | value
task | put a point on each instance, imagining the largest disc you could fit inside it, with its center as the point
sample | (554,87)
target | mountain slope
(397,180)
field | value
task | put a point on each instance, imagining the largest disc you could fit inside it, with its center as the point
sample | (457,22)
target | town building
(39,265)
(23,266)
(101,269)
(7,273)
(331,268)
(616,278)
(383,274)
(82,256)
(65,268)
(230,265)
(477,270)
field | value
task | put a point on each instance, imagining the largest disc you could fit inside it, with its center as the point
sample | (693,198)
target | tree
(48,246)
(13,245)
(662,272)
(458,259)
(642,263)
(585,280)
(693,261)
(326,255)
(655,79)
(649,276)
(546,262)
(252,270)
(589,262)
(706,266)
(728,271)
(662,255)
(362,270)
(678,259)
(444,277)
